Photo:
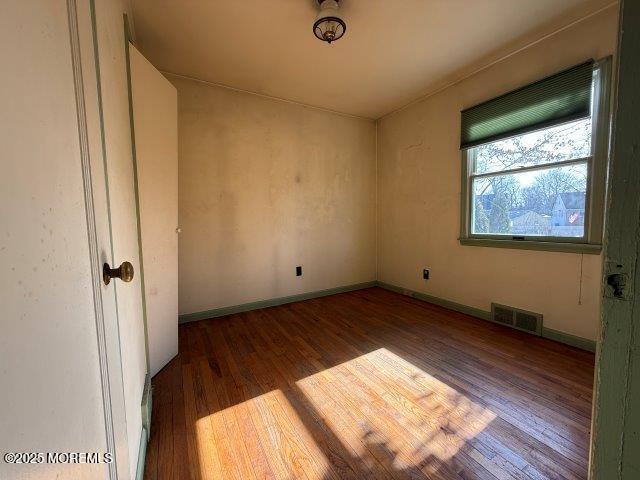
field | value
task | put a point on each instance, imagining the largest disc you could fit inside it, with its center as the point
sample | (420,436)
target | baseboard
(458,307)
(566,338)
(245,307)
(142,454)
(147,405)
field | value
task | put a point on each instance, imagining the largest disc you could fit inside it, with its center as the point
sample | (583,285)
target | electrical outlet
(425,274)
(298,271)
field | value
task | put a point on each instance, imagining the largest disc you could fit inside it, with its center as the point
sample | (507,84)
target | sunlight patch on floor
(378,410)
(430,423)
(264,427)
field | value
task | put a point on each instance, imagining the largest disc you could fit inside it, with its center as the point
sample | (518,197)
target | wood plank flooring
(373,385)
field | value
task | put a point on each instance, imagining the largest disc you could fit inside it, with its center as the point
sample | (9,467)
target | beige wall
(419,198)
(265,186)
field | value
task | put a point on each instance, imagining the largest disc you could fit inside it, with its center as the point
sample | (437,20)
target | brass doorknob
(124,272)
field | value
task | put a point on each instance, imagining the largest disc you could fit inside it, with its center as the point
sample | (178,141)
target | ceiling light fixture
(328,26)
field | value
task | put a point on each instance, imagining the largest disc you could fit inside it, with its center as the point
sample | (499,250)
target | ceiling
(393,52)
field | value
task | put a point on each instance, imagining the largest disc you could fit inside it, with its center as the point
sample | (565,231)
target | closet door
(155,125)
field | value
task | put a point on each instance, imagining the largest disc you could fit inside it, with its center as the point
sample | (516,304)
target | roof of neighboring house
(529,217)
(515,213)
(573,200)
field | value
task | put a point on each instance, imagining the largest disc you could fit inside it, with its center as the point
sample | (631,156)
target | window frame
(597,163)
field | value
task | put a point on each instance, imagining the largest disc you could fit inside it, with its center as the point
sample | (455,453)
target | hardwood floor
(368,384)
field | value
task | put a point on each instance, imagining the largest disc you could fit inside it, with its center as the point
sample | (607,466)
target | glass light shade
(329,26)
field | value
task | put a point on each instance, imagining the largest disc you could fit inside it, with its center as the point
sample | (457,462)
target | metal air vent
(517,318)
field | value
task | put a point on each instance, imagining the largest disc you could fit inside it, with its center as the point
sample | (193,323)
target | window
(534,164)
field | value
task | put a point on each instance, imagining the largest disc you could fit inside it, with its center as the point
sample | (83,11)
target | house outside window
(538,185)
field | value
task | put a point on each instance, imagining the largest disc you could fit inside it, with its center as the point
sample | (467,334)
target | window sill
(567,247)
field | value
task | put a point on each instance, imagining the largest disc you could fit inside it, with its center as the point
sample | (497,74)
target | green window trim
(591,243)
(545,246)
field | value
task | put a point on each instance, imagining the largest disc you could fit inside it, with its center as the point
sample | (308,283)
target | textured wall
(419,198)
(265,186)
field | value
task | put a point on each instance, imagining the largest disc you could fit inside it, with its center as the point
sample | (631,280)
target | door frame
(86,76)
(616,407)
(147,399)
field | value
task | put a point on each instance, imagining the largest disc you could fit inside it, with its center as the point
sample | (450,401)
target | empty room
(320,240)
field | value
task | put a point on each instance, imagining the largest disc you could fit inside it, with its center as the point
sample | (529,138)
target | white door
(155,119)
(111,43)
(72,359)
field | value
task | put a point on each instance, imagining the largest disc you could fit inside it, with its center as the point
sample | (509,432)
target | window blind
(557,99)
